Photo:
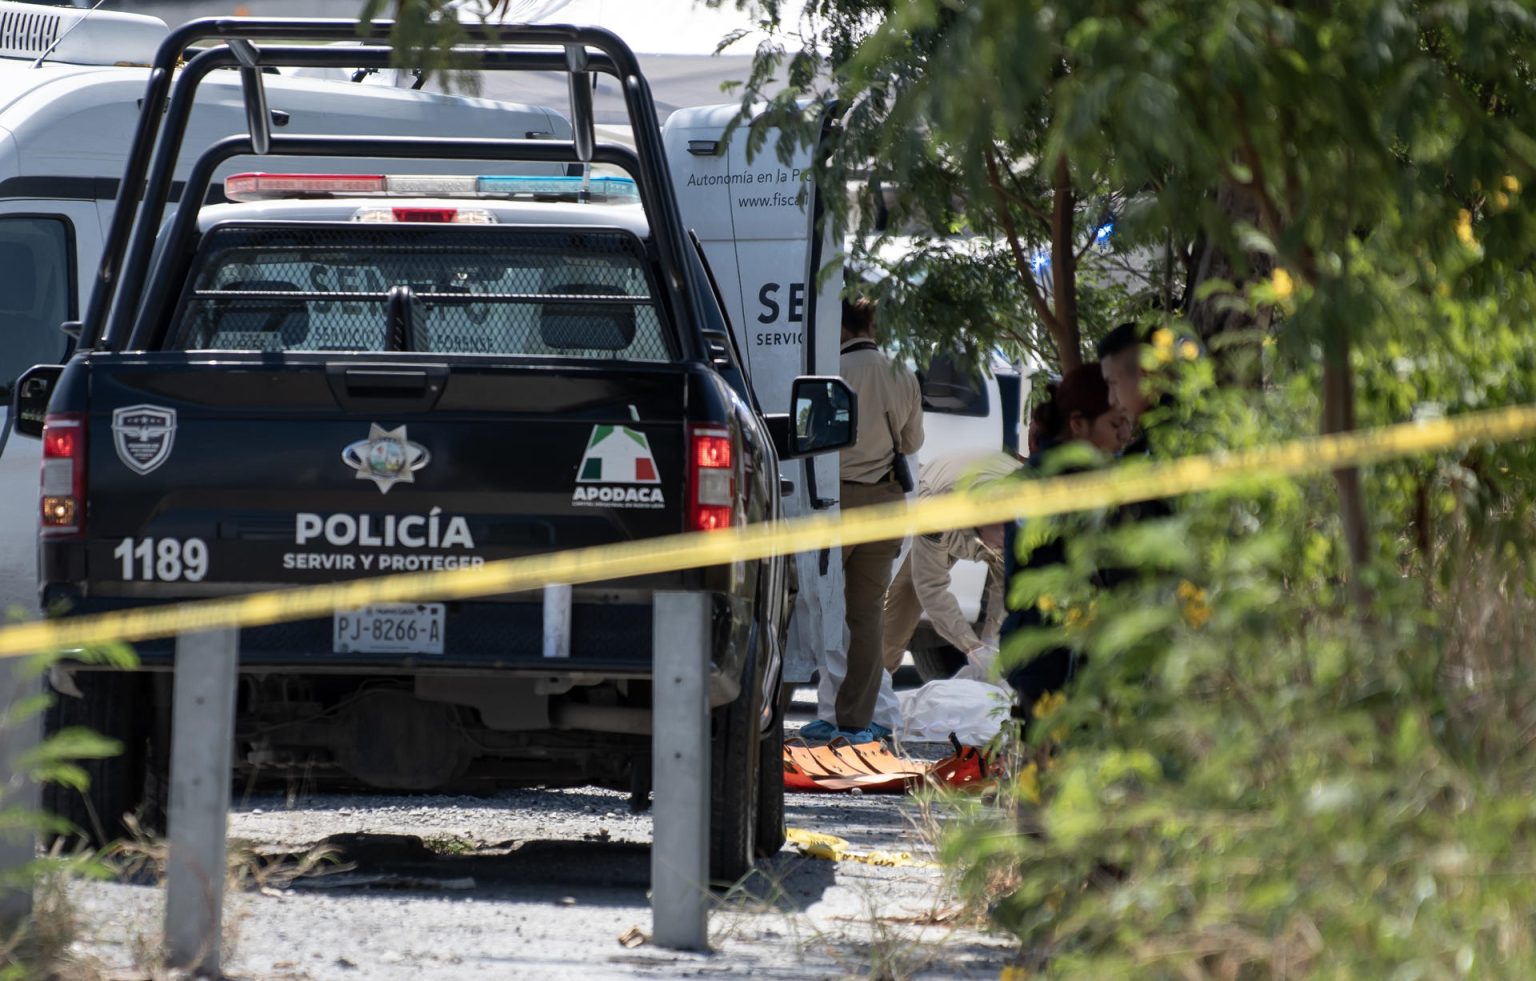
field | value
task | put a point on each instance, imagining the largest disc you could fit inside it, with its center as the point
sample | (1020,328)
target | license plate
(395,628)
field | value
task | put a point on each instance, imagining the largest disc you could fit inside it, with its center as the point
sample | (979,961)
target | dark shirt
(1050,670)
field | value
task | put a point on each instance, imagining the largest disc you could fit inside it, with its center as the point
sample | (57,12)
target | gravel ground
(542,884)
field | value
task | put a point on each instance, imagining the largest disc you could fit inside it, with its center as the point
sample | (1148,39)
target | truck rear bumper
(610,639)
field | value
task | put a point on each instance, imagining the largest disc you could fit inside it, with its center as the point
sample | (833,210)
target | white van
(69,103)
(756,222)
(969,410)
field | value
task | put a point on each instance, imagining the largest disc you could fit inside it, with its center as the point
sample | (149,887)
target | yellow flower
(1012,972)
(1189,350)
(1512,183)
(1029,783)
(1162,345)
(1079,616)
(1464,228)
(1197,615)
(1280,281)
(1500,201)
(1049,704)
(1046,604)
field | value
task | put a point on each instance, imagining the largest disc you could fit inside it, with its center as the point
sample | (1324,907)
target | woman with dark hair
(1082,413)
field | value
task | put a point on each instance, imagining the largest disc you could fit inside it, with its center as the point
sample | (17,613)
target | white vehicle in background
(756,221)
(69,106)
(969,410)
(973,406)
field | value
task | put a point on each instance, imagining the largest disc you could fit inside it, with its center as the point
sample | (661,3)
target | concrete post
(557,620)
(680,768)
(202,747)
(16,738)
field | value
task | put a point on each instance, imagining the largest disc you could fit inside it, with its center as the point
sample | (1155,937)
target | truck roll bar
(246,44)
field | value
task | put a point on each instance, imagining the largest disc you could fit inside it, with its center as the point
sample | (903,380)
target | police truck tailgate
(242,475)
(333,402)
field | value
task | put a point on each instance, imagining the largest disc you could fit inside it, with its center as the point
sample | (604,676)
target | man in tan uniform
(890,422)
(922,582)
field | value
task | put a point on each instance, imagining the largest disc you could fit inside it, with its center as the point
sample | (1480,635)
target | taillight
(441,215)
(712,480)
(451,216)
(63,491)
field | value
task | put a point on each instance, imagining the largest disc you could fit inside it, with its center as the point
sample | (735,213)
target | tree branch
(1255,184)
(1063,262)
(1026,202)
(1021,266)
(1109,207)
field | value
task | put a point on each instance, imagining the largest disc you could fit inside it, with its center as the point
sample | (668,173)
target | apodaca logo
(617,471)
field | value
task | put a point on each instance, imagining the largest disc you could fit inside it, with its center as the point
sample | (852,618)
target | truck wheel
(770,789)
(734,761)
(937,662)
(114,704)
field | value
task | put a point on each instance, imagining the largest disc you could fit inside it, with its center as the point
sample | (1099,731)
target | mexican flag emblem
(617,470)
(617,455)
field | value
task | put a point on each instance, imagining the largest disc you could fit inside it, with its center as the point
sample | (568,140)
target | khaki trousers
(902,612)
(866,574)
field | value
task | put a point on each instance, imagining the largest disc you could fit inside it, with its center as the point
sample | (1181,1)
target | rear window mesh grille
(545,293)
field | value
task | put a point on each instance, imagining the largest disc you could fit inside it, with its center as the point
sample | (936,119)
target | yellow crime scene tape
(831,848)
(1000,501)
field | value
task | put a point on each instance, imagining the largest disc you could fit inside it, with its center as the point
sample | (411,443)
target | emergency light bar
(270,187)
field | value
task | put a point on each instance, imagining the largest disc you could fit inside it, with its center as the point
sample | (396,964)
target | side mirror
(29,398)
(824,416)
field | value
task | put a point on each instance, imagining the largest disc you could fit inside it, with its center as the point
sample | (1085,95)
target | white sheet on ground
(973,710)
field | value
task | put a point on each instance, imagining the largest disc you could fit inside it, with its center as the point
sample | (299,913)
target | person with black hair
(1120,359)
(1085,409)
(1121,355)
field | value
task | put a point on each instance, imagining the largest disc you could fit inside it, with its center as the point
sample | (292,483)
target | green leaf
(1128,628)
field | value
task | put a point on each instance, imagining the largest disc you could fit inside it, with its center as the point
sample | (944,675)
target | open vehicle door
(757,223)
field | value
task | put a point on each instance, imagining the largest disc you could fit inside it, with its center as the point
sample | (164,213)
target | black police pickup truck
(341,374)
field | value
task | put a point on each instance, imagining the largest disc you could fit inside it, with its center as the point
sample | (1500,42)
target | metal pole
(680,765)
(557,620)
(16,737)
(202,745)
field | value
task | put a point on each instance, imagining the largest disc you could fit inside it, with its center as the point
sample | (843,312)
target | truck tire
(937,662)
(115,704)
(771,832)
(734,762)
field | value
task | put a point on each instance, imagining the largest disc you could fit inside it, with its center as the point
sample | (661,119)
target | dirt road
(543,884)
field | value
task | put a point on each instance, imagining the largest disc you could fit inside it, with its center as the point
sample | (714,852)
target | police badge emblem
(386,457)
(143,435)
